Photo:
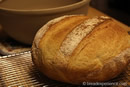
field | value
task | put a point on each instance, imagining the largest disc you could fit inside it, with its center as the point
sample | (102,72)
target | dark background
(118,9)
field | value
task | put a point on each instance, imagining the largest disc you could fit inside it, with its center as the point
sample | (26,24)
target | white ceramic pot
(21,23)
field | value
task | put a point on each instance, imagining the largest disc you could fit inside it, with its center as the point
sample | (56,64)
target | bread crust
(102,54)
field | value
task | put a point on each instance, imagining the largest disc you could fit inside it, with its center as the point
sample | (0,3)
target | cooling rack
(17,70)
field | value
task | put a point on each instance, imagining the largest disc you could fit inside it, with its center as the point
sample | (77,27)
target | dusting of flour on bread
(78,33)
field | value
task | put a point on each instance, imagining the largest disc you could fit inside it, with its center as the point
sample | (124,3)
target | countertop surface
(93,12)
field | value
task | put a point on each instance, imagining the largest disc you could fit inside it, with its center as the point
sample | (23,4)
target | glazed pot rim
(48,10)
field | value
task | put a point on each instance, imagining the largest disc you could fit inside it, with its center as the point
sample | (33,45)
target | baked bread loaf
(76,49)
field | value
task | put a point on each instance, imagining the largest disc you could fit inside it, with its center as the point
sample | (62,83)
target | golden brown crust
(79,32)
(101,55)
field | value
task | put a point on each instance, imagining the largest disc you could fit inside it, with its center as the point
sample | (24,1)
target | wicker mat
(10,46)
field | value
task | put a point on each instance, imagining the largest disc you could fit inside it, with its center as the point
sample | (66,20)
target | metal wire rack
(17,70)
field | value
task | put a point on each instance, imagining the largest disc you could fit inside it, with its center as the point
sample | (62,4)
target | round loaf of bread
(76,49)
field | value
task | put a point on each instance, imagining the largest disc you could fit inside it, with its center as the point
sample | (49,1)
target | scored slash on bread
(75,37)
